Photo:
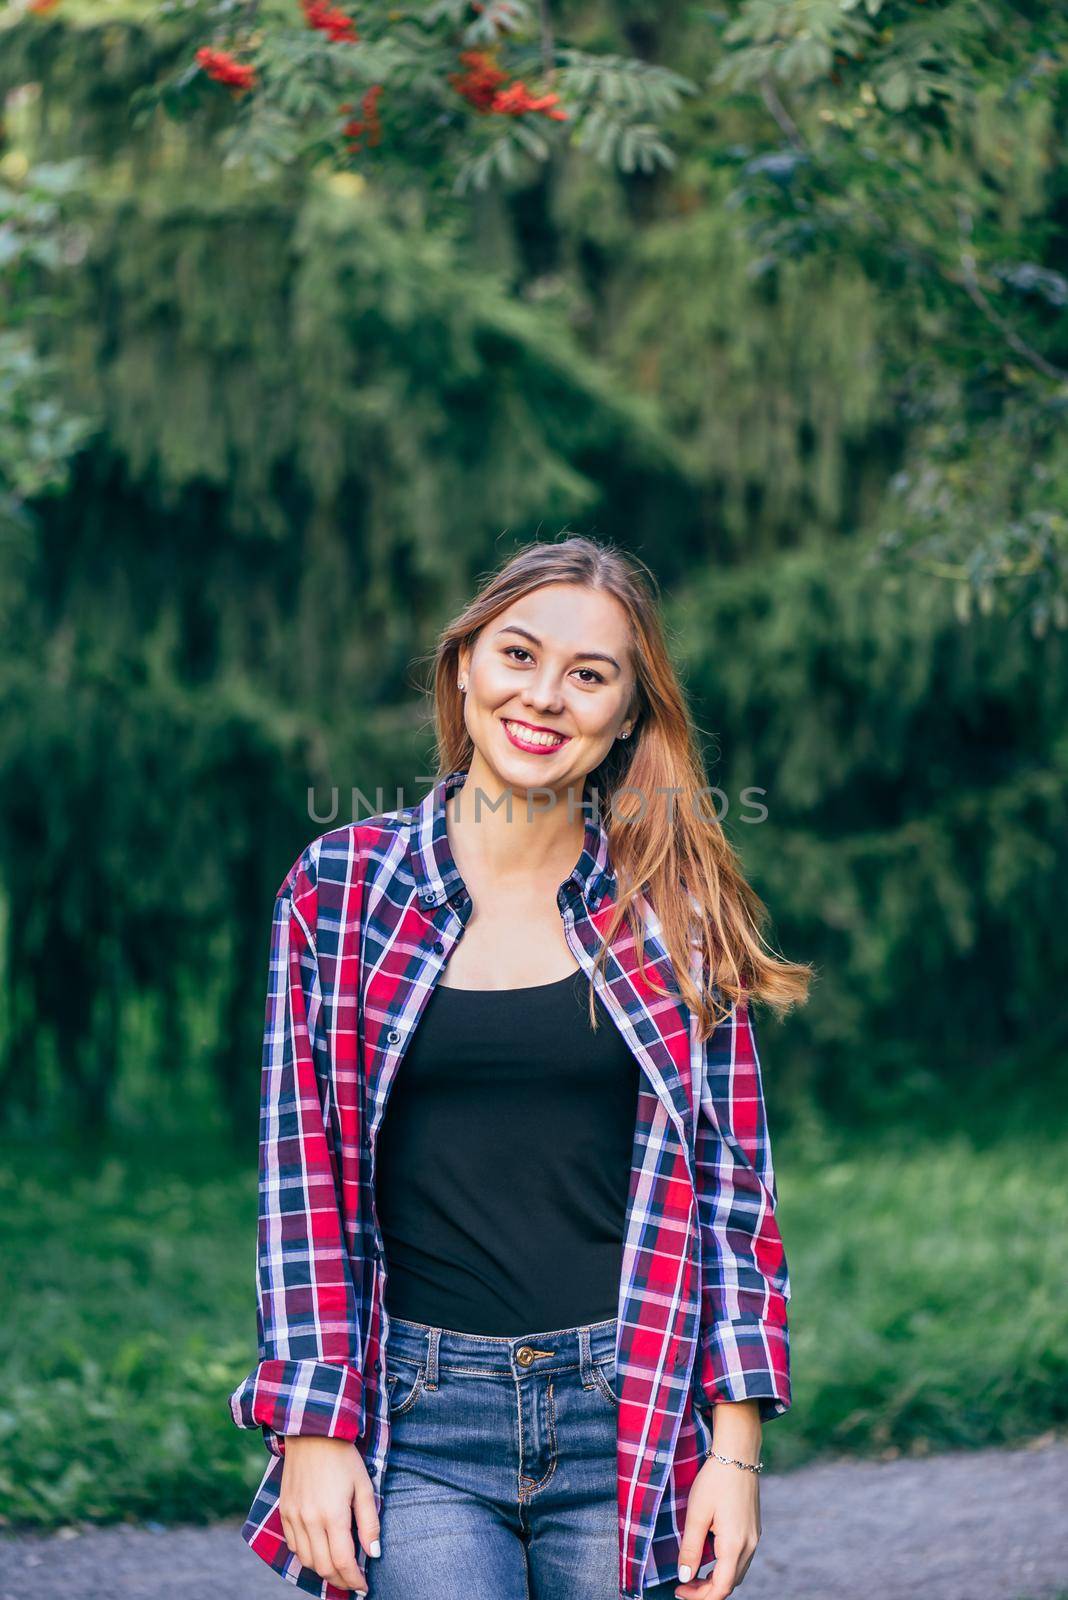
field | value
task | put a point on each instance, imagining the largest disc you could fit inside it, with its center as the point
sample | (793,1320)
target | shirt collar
(438,877)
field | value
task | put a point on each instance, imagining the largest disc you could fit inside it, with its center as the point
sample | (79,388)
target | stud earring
(625,734)
(462,687)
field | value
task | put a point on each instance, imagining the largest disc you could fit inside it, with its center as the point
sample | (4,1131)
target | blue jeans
(501,1477)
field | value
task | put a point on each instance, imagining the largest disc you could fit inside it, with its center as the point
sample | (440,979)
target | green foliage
(924,145)
(614,98)
(795,41)
(487,25)
(816,358)
(404,388)
(780,410)
(915,774)
(608,96)
(38,241)
(293,113)
(346,413)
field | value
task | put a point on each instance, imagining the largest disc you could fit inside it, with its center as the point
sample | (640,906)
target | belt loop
(431,1380)
(585,1359)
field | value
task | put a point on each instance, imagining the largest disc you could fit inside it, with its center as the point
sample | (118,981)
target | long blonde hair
(683,863)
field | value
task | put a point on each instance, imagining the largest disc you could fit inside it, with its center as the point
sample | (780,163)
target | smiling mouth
(529,739)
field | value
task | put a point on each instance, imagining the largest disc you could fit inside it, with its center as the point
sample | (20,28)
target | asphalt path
(978,1525)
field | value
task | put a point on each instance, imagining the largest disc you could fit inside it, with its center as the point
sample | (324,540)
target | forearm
(737,1430)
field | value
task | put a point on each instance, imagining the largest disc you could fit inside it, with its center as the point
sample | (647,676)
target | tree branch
(975,292)
(773,100)
(548,45)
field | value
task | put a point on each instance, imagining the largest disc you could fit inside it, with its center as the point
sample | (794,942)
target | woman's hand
(324,1483)
(726,1499)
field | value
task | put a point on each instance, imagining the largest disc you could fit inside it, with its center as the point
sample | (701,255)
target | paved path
(983,1525)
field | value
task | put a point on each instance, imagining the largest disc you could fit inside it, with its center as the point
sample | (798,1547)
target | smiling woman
(544,1293)
(567,639)
(557,609)
(539,717)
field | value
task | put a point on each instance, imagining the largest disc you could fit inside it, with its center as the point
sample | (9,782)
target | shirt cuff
(745,1359)
(324,1398)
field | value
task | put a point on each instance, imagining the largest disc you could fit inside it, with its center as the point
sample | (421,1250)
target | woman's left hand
(726,1499)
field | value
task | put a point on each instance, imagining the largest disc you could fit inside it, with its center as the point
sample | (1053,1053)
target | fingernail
(684,1574)
(376,1548)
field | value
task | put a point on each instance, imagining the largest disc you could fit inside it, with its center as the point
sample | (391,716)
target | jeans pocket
(605,1374)
(404,1386)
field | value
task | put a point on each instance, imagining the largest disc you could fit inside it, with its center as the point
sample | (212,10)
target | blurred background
(309,315)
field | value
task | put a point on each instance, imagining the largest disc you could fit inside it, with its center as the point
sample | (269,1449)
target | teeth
(528,735)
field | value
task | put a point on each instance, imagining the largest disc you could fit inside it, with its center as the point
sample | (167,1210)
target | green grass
(930,1296)
(930,1310)
(131,1315)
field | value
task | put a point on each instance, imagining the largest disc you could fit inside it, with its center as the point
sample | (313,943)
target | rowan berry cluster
(484,85)
(225,68)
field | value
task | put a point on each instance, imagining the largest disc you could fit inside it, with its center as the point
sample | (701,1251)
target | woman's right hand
(324,1484)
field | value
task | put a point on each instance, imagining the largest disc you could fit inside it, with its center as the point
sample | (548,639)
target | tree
(439,87)
(924,144)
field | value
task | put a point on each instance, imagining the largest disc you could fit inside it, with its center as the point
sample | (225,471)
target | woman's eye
(514,650)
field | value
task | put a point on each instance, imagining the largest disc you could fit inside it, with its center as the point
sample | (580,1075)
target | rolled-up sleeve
(308,1379)
(744,1344)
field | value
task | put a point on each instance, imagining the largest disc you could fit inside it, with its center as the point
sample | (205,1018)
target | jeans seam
(602,1383)
(479,1372)
(533,1488)
(409,1401)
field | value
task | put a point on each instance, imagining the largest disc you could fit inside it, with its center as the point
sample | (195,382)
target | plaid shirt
(364,924)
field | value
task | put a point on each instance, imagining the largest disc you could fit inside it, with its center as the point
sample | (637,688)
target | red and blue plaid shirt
(364,924)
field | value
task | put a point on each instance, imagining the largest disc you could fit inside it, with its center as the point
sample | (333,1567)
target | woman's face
(550,685)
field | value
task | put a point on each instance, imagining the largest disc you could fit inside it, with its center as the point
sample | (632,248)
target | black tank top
(504,1159)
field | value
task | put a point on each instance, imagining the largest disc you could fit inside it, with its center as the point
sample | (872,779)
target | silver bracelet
(748,1465)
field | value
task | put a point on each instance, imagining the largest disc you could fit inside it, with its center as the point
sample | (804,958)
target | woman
(545,1296)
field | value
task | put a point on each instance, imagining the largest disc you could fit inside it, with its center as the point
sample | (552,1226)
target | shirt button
(393,1035)
(430,899)
(438,947)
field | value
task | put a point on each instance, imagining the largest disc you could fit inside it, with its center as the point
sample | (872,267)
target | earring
(462,687)
(625,734)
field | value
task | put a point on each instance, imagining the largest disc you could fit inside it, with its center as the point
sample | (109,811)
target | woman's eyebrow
(580,655)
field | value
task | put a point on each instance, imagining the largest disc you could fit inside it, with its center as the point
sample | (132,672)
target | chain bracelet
(731,1462)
